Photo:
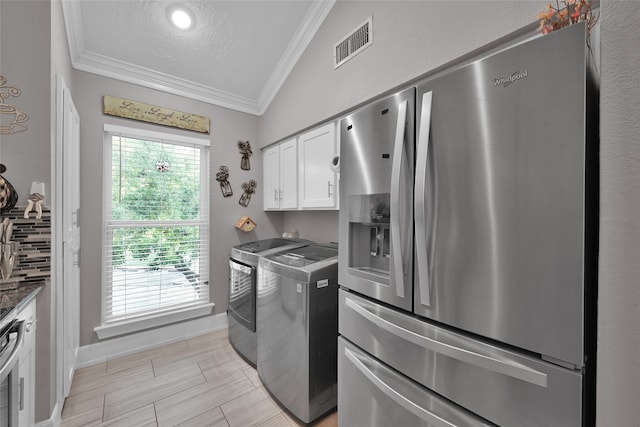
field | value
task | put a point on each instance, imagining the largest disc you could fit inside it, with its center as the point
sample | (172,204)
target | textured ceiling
(237,55)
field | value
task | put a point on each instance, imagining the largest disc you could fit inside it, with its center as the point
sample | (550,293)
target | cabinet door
(289,174)
(317,185)
(271,177)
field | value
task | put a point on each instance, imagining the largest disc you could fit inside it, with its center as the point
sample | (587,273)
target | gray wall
(409,39)
(414,37)
(26,30)
(25,62)
(435,33)
(227,127)
(619,276)
(318,226)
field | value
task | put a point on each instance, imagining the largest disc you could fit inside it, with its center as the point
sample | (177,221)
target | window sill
(127,326)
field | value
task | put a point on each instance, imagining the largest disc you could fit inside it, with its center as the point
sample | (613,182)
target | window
(156,230)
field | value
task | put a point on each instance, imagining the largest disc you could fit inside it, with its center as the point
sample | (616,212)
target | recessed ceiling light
(181,19)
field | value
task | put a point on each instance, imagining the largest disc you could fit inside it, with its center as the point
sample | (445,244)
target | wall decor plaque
(11,118)
(135,110)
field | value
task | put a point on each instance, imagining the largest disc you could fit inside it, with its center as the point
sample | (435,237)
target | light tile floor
(198,381)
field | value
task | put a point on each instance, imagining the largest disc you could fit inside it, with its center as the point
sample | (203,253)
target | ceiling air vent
(354,43)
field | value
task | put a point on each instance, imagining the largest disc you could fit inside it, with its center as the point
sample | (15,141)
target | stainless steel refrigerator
(468,244)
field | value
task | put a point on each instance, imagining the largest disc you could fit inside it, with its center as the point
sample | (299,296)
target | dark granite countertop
(13,300)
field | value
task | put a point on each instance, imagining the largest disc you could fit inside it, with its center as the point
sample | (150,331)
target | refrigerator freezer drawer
(372,395)
(500,385)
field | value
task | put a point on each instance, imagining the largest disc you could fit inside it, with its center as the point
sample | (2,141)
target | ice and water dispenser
(369,227)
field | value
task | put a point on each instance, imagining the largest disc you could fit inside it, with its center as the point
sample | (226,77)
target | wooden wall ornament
(245,152)
(245,224)
(249,188)
(222,177)
(11,118)
(128,109)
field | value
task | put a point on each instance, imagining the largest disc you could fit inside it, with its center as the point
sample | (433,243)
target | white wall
(411,38)
(227,127)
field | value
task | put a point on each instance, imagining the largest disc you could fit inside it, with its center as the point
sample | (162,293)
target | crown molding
(307,30)
(73,26)
(84,60)
(124,71)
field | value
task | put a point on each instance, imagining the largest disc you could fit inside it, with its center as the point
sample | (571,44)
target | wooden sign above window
(128,109)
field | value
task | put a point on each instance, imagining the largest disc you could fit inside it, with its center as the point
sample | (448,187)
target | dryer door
(242,293)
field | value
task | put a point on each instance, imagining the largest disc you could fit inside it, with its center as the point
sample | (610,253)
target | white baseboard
(101,351)
(55,420)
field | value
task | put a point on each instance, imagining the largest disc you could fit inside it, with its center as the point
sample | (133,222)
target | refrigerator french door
(376,215)
(503,283)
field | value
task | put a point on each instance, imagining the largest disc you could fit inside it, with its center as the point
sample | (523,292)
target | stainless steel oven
(243,263)
(11,389)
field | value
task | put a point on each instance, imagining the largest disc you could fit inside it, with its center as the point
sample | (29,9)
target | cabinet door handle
(420,207)
(77,260)
(76,221)
(21,397)
(29,325)
(398,209)
(329,185)
(275,195)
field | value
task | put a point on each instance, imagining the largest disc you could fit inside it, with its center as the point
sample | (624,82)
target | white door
(68,224)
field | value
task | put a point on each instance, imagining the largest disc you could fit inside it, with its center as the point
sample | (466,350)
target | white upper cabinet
(300,173)
(318,184)
(280,176)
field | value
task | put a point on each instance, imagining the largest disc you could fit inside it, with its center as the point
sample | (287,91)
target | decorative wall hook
(11,118)
(245,151)
(249,188)
(222,177)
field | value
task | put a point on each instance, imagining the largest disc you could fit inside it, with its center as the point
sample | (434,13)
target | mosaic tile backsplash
(34,255)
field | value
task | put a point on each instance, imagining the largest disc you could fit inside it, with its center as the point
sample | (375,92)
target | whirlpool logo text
(507,81)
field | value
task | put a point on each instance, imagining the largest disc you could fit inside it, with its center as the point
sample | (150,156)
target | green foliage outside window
(144,191)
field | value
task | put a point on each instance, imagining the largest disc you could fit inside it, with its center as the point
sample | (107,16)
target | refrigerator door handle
(396,207)
(476,357)
(420,202)
(397,397)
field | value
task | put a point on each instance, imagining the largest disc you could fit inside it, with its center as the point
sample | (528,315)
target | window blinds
(157,227)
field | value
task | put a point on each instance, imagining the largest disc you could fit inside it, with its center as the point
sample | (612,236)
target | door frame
(62,388)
